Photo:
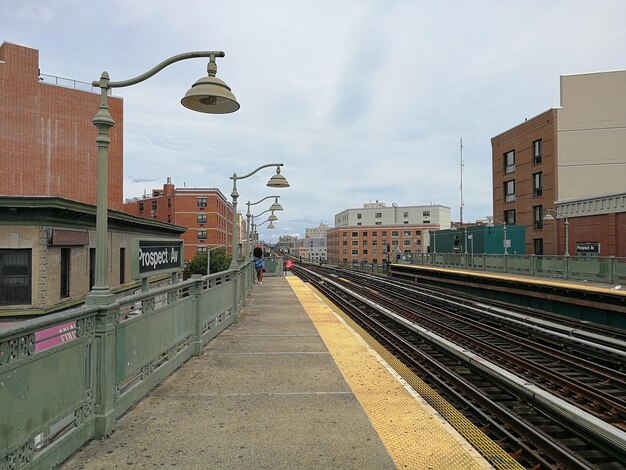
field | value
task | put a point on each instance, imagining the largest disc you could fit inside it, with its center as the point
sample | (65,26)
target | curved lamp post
(208,95)
(274,207)
(504,242)
(276,181)
(558,214)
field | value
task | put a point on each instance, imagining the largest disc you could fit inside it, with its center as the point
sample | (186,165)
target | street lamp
(207,95)
(274,207)
(505,242)
(276,181)
(558,214)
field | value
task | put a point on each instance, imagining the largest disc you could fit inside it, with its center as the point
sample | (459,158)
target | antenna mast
(461,187)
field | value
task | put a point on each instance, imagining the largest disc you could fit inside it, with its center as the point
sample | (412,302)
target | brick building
(204,211)
(47,140)
(376,244)
(571,159)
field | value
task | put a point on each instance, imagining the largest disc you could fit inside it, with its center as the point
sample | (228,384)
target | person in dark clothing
(259,265)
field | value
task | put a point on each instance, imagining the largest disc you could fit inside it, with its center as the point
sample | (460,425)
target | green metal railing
(608,270)
(65,378)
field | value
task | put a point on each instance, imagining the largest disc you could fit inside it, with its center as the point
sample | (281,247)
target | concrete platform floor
(265,394)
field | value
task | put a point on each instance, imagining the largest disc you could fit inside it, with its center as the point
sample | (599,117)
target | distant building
(316,232)
(47,140)
(374,214)
(287,244)
(572,159)
(48,247)
(205,212)
(316,249)
(479,239)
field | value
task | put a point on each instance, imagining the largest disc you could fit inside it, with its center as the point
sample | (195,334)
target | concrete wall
(591,130)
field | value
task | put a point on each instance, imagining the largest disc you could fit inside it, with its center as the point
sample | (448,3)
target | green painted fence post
(195,291)
(104,385)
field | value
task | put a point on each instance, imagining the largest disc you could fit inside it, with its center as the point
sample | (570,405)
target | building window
(358,216)
(201,202)
(15,277)
(384,233)
(509,217)
(509,162)
(345,234)
(407,242)
(384,242)
(538,217)
(538,246)
(418,232)
(203,249)
(355,252)
(537,153)
(509,191)
(169,202)
(355,243)
(374,234)
(140,207)
(355,234)
(394,243)
(394,233)
(201,234)
(426,214)
(406,222)
(359,223)
(202,218)
(122,265)
(407,233)
(374,242)
(154,205)
(65,273)
(537,184)
(378,223)
(378,215)
(364,252)
(345,242)
(365,234)
(406,214)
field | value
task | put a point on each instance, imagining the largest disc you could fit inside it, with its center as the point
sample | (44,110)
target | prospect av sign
(156,257)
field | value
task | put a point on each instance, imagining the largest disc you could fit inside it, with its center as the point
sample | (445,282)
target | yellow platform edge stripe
(415,433)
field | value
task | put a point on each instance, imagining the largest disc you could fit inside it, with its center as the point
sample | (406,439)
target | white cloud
(361,100)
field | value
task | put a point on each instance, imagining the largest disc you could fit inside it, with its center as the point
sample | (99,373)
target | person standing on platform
(259,265)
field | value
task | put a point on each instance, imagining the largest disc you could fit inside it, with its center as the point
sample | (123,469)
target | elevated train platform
(589,301)
(291,385)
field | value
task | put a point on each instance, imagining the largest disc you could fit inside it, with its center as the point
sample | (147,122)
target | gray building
(378,213)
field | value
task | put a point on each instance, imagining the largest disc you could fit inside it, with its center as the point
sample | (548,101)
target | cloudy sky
(362,100)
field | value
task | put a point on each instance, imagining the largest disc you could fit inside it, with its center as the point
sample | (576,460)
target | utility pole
(461,187)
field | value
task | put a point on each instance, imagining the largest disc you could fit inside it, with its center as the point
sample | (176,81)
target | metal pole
(566,236)
(235,238)
(465,244)
(506,251)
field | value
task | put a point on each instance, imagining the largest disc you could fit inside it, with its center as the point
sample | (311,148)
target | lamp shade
(276,207)
(271,226)
(278,180)
(272,218)
(210,95)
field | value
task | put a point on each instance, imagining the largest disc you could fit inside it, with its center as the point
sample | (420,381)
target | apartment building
(378,213)
(47,140)
(316,232)
(205,212)
(569,162)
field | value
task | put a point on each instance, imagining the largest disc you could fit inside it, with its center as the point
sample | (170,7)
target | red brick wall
(520,138)
(607,229)
(47,141)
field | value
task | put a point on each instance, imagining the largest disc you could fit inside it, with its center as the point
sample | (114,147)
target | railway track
(550,398)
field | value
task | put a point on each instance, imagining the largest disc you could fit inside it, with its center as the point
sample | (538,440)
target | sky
(361,100)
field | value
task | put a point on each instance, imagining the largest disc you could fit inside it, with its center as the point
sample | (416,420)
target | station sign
(587,247)
(152,256)
(289,264)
